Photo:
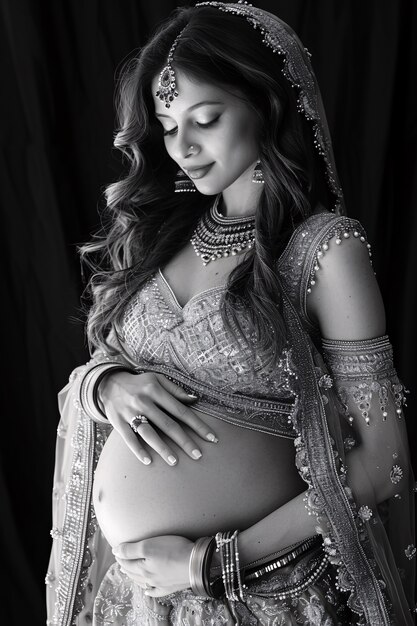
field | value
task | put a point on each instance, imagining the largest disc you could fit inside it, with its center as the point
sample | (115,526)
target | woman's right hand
(124,395)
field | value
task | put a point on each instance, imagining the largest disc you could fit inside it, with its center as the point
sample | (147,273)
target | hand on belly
(243,478)
(160,562)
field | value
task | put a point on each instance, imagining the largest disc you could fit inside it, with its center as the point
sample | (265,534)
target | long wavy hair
(145,223)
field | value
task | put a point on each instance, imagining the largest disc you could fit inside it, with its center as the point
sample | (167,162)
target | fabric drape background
(59,63)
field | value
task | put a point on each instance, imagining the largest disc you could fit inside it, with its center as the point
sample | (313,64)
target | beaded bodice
(193,339)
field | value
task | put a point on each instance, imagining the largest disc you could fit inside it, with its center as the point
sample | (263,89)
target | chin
(209,189)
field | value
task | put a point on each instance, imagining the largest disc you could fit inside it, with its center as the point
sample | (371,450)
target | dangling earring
(183,183)
(258,175)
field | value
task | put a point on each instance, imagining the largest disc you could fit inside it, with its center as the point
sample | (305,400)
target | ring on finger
(138,420)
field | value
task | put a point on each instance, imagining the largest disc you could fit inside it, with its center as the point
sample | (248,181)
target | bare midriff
(237,482)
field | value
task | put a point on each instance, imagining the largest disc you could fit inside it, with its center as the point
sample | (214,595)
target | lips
(198,172)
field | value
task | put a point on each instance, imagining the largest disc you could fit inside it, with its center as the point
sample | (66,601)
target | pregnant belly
(237,481)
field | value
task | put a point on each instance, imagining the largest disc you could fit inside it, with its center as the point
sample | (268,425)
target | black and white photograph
(210,261)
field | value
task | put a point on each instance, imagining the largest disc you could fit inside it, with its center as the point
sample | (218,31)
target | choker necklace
(216,236)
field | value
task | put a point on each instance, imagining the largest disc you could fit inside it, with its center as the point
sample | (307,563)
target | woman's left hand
(158,562)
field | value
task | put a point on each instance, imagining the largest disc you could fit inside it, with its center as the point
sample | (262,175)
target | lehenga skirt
(302,592)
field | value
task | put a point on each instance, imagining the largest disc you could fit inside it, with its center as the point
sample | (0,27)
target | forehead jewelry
(167,83)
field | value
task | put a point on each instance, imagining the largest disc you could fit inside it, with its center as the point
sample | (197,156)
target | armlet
(363,369)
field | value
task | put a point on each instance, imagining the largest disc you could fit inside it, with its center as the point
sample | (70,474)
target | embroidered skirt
(300,593)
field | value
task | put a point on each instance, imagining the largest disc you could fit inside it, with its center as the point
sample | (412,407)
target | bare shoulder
(346,301)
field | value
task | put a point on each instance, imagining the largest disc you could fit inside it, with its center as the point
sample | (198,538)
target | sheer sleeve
(372,400)
(378,470)
(352,434)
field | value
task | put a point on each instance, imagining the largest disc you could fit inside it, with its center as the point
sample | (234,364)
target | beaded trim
(342,230)
(294,590)
(297,69)
(368,363)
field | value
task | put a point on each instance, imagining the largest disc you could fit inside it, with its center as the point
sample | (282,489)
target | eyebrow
(194,106)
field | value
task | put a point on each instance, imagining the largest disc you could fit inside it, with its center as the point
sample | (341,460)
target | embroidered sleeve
(372,400)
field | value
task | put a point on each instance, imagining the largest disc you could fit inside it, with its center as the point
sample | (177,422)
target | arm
(346,304)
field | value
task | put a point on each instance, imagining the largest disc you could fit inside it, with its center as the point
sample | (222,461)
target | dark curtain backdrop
(60,59)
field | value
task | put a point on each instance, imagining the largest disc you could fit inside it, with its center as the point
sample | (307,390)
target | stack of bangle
(199,566)
(230,582)
(229,557)
(88,389)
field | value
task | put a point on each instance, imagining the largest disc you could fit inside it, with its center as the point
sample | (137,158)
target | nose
(184,147)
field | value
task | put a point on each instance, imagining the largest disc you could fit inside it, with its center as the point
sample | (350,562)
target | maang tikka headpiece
(167,83)
(297,69)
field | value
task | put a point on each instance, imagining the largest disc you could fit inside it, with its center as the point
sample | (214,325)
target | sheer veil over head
(297,69)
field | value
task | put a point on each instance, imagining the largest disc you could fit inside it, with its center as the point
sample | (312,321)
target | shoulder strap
(300,260)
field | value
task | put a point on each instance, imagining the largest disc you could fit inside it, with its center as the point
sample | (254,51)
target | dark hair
(145,222)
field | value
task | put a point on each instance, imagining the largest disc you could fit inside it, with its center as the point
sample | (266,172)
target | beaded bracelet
(229,558)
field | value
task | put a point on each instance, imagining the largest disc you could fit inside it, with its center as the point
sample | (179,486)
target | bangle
(199,566)
(95,398)
(88,400)
(229,557)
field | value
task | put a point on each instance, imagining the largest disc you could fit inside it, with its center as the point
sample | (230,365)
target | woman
(239,477)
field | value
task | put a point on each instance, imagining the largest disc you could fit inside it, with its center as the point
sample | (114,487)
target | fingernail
(212,438)
(172,460)
(192,395)
(196,454)
(146,460)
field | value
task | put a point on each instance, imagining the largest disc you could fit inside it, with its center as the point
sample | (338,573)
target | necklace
(216,236)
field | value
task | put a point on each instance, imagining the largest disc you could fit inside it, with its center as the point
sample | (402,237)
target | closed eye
(199,124)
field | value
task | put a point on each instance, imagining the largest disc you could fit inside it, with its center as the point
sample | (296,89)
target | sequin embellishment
(410,551)
(365,513)
(396,474)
